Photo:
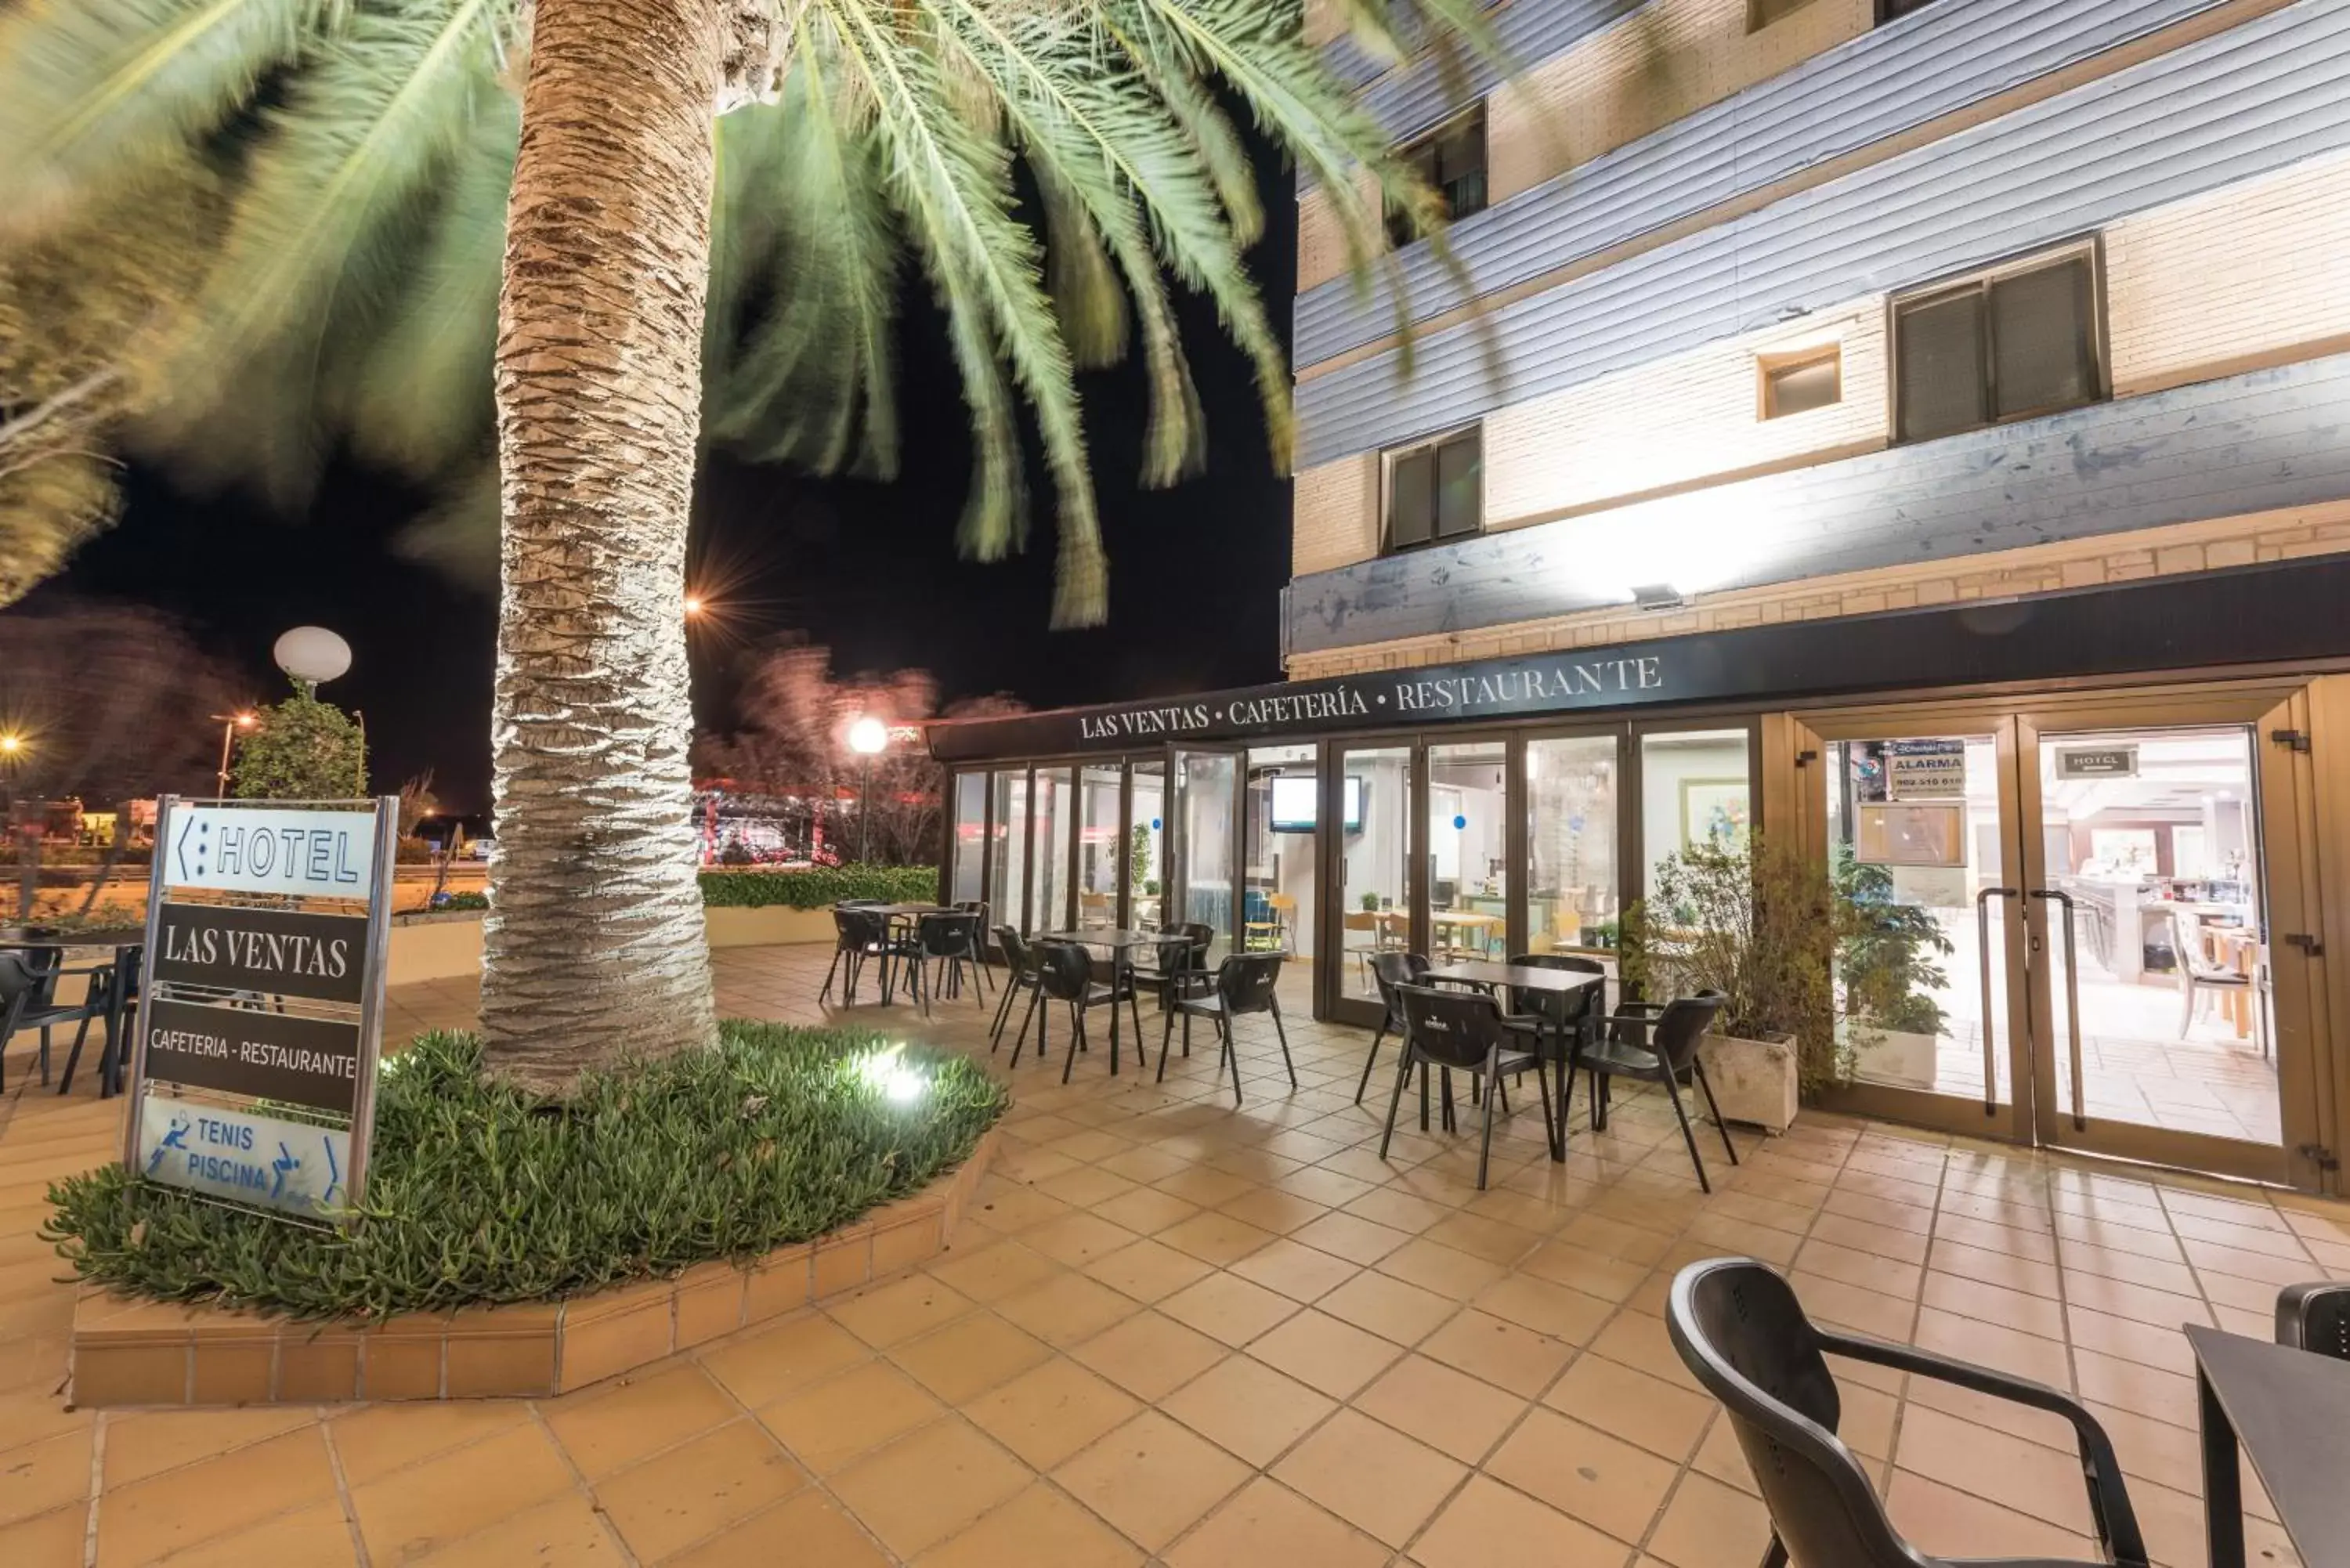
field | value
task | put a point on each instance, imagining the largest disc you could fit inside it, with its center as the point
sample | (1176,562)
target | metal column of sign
(218,978)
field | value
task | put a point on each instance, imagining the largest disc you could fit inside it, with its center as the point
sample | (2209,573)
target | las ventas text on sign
(277,953)
(242,1051)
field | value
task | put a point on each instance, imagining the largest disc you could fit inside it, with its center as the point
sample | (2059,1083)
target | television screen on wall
(1294,804)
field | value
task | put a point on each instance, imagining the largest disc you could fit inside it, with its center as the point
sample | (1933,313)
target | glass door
(1469,854)
(1204,841)
(1919,834)
(1371,861)
(2163,918)
(2098,910)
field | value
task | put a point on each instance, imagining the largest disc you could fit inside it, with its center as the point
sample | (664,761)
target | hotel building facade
(1916,431)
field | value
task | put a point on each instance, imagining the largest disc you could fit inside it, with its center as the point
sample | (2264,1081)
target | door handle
(1982,962)
(2071,1002)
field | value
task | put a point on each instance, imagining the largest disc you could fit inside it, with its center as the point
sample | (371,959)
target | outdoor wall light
(869,735)
(1657,596)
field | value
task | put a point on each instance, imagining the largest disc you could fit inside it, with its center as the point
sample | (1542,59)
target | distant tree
(303,749)
(417,801)
(793,744)
(111,703)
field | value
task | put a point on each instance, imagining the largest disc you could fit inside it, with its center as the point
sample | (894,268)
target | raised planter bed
(154,1352)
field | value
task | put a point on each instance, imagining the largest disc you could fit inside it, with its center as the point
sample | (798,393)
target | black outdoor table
(2290,1410)
(1121,943)
(113,1057)
(1528,977)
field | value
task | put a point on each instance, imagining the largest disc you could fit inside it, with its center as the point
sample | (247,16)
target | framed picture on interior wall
(1713,814)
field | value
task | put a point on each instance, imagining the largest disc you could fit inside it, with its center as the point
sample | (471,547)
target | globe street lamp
(868,737)
(311,656)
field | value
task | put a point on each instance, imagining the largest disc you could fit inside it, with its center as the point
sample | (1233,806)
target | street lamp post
(867,737)
(229,724)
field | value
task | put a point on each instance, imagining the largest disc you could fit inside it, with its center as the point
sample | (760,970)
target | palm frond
(362,136)
(422,397)
(814,380)
(91,91)
(952,181)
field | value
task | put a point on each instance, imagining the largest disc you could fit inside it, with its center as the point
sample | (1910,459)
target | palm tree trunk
(595,945)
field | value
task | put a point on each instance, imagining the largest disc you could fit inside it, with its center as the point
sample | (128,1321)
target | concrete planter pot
(1753,1081)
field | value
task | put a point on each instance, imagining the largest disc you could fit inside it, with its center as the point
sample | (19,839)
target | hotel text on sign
(246,849)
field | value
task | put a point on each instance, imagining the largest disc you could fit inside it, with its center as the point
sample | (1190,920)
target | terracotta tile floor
(1181,1334)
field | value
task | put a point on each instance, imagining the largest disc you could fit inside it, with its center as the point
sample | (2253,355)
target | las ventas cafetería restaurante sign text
(253,1079)
(1531,686)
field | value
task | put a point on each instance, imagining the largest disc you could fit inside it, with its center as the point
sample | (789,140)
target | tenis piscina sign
(253,1078)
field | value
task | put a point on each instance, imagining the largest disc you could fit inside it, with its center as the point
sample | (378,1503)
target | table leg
(1117,975)
(2223,1491)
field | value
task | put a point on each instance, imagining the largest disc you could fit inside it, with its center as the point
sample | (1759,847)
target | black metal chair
(978,906)
(858,934)
(1744,1337)
(29,1000)
(1019,976)
(2315,1318)
(1245,983)
(948,944)
(1180,963)
(1064,974)
(1650,1044)
(1450,1028)
(1389,970)
(114,996)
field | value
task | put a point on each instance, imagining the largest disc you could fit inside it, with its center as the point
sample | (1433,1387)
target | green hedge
(820,887)
(481,1194)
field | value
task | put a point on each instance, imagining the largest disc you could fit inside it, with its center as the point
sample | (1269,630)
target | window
(1797,382)
(1451,157)
(1760,14)
(2008,345)
(1894,10)
(1436,490)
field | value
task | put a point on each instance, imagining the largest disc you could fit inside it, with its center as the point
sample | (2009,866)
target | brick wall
(1334,515)
(2258,273)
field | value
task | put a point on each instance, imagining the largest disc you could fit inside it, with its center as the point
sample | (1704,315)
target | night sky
(869,570)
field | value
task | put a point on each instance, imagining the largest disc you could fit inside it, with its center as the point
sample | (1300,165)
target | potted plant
(1370,903)
(1812,968)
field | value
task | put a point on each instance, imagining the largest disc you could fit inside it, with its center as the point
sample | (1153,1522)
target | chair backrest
(855,925)
(1063,970)
(2315,1318)
(1016,951)
(1568,1006)
(1203,937)
(1246,980)
(1674,1036)
(20,977)
(1389,970)
(947,936)
(1744,1337)
(1452,1028)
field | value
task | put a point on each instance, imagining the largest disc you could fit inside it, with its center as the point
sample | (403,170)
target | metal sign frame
(360,1124)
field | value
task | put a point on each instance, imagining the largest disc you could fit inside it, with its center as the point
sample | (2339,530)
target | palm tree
(707,204)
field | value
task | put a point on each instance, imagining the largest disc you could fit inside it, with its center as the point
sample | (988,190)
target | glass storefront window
(1468,850)
(1008,855)
(1572,891)
(1695,790)
(1057,818)
(1148,845)
(1099,848)
(1205,781)
(968,844)
(1374,901)
(1283,805)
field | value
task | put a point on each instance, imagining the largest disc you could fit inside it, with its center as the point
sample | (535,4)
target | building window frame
(2090,248)
(1757,19)
(1399,226)
(1769,365)
(1430,445)
(1894,10)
